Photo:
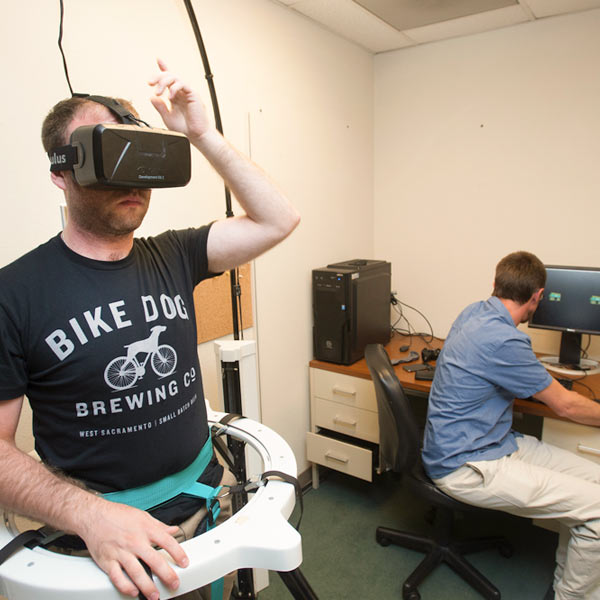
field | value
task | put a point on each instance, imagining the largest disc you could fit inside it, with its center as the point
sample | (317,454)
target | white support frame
(244,353)
(257,536)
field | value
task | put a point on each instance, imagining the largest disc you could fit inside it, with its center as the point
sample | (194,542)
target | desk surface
(360,369)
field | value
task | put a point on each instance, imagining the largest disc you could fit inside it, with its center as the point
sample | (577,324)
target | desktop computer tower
(351,308)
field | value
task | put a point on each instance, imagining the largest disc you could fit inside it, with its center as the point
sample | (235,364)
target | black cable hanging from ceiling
(234,274)
(62,53)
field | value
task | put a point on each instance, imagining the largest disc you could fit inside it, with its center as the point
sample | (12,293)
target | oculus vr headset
(124,155)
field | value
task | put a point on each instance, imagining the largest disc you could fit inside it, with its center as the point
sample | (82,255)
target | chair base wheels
(381,539)
(410,594)
(444,551)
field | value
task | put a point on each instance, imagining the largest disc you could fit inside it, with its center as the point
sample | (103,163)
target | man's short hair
(56,123)
(518,276)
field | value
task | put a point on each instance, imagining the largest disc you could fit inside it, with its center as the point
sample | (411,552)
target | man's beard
(103,212)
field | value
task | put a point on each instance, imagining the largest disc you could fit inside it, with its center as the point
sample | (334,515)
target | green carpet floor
(343,561)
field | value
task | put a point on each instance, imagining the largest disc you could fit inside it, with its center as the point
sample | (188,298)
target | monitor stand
(569,362)
(585,367)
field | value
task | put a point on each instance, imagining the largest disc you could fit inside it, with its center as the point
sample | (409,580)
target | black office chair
(400,448)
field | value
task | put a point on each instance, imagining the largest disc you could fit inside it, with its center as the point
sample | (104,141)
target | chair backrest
(399,438)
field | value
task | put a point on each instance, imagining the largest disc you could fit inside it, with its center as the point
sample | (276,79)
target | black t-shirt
(106,353)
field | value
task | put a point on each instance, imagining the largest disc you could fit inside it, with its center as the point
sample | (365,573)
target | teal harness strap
(150,495)
(185,481)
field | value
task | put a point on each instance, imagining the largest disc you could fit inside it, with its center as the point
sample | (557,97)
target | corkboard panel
(212,305)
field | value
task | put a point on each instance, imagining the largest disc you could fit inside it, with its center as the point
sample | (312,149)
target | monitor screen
(571,304)
(571,300)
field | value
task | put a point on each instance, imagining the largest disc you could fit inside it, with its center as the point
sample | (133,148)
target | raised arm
(116,535)
(269,217)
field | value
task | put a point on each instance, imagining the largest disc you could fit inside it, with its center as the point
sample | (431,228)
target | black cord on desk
(397,306)
(587,387)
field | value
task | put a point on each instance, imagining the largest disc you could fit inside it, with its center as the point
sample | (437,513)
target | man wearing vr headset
(93,293)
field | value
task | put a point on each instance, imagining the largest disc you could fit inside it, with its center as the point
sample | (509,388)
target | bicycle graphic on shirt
(122,372)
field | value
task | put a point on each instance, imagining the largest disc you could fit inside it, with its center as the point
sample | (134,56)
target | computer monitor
(571,304)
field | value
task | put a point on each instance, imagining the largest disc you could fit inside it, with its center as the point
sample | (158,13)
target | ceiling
(383,25)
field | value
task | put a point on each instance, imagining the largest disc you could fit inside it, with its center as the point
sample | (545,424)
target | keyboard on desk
(565,382)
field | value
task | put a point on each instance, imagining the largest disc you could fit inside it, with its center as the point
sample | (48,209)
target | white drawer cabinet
(343,389)
(341,456)
(361,424)
(579,439)
(345,405)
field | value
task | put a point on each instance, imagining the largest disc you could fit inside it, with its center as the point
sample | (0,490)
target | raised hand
(184,111)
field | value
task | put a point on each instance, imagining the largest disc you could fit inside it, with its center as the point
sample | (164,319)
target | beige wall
(296,97)
(484,145)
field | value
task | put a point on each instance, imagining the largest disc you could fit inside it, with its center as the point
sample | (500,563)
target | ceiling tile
(409,14)
(351,20)
(546,8)
(348,19)
(487,21)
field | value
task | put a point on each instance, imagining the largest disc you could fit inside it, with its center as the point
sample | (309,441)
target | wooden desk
(360,369)
(408,381)
(344,427)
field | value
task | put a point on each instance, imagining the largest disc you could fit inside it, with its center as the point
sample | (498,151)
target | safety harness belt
(185,481)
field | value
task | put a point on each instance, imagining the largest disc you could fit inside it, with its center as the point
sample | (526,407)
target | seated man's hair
(61,114)
(518,276)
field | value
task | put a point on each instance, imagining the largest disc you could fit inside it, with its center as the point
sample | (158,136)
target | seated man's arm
(268,218)
(569,404)
(116,535)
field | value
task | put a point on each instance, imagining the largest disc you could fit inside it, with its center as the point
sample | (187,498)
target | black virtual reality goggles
(124,155)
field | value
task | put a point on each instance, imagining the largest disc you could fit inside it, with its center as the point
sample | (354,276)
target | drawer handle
(341,459)
(342,392)
(339,421)
(588,450)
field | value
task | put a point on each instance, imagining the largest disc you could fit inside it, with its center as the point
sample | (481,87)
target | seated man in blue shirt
(470,450)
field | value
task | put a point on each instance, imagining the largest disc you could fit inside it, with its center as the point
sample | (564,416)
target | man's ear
(537,296)
(58,179)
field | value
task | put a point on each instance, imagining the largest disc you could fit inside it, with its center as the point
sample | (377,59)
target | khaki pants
(541,481)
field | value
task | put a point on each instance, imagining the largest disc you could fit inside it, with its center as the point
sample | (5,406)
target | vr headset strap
(63,158)
(125,116)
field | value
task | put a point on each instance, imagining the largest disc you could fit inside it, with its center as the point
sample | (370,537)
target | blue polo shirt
(485,363)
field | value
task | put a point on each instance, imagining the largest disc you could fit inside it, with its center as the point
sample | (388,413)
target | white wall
(485,145)
(296,97)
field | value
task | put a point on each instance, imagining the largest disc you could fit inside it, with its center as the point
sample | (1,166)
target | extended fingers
(118,578)
(159,567)
(141,580)
(162,66)
(174,86)
(166,541)
(130,577)
(167,80)
(178,105)
(162,82)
